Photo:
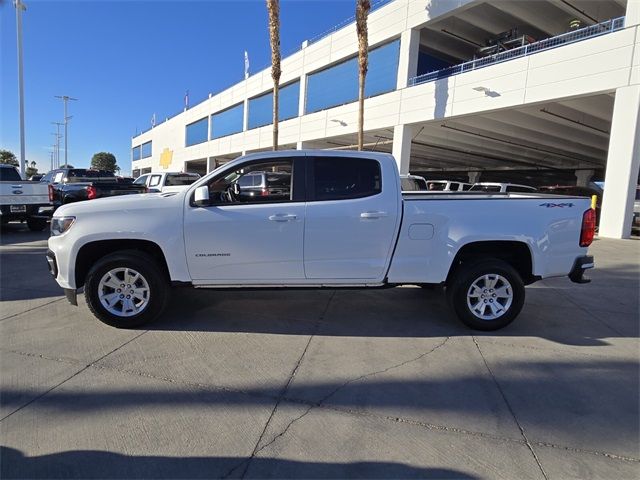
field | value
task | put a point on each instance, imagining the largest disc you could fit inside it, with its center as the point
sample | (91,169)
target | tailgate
(23,193)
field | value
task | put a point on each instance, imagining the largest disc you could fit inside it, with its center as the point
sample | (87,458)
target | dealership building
(541,92)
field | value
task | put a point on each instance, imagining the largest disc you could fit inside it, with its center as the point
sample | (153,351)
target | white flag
(246,64)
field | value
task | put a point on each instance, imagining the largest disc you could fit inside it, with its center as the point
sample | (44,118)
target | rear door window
(336,178)
(9,175)
(155,180)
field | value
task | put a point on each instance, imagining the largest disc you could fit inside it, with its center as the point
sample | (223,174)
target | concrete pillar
(402,135)
(300,145)
(632,17)
(302,100)
(408,61)
(623,163)
(211,164)
(583,177)
(474,177)
(245,118)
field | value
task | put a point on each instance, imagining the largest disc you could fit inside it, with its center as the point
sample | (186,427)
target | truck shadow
(102,464)
(398,312)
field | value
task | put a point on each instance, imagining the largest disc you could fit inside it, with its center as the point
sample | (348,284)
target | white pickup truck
(22,200)
(316,219)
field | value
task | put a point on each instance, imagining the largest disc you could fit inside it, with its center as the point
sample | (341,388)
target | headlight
(59,225)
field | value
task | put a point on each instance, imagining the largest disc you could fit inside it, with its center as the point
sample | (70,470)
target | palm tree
(273,6)
(362,12)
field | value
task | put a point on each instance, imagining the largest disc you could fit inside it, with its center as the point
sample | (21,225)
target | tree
(362,12)
(104,161)
(31,170)
(9,158)
(273,7)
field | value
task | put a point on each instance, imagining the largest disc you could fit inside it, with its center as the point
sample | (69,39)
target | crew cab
(22,200)
(166,181)
(344,223)
(68,185)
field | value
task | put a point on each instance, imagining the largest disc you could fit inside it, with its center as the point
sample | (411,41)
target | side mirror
(236,189)
(201,197)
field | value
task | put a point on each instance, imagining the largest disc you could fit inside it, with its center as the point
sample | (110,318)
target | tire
(36,224)
(505,287)
(109,273)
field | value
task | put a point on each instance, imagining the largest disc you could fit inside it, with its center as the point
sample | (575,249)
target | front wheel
(486,295)
(126,289)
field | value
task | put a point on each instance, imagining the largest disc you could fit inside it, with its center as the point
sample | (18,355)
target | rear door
(351,218)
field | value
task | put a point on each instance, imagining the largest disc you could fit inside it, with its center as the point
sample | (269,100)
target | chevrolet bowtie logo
(166,157)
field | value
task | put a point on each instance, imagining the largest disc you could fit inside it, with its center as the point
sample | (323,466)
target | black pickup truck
(67,185)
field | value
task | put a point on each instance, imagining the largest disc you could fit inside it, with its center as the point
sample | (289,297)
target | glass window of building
(136,152)
(146,150)
(228,121)
(261,108)
(196,132)
(338,85)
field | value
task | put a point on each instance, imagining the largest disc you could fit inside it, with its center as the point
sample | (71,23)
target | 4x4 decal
(554,205)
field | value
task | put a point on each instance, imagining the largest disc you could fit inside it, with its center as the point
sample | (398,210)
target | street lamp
(20,7)
(65,100)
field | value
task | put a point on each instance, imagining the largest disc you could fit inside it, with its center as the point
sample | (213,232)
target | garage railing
(535,47)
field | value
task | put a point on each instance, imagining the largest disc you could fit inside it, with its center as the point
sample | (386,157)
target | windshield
(181,179)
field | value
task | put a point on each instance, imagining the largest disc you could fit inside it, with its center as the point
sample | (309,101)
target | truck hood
(122,204)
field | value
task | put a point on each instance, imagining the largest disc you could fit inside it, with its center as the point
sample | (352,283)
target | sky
(126,60)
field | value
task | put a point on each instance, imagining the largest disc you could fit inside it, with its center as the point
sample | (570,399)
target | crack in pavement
(361,377)
(32,309)
(72,376)
(515,419)
(281,396)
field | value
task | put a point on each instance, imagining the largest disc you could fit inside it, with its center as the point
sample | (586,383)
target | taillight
(264,193)
(588,227)
(51,193)
(91,192)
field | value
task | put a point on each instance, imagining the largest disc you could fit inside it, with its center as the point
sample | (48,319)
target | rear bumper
(31,210)
(581,265)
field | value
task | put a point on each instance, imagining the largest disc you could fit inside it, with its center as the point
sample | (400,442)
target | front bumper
(579,267)
(70,293)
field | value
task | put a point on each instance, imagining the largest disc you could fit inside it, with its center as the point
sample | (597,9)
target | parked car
(344,223)
(262,186)
(491,187)
(413,183)
(22,200)
(447,186)
(68,185)
(166,181)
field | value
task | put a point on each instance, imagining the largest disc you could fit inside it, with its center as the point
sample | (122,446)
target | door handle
(373,214)
(280,217)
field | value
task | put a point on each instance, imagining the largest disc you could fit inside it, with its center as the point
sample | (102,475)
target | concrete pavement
(376,384)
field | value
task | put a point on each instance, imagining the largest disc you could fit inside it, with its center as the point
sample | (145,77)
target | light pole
(19,9)
(65,100)
(58,136)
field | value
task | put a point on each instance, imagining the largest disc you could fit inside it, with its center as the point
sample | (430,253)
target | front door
(253,230)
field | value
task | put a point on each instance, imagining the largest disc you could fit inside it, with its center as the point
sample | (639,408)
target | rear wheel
(126,289)
(486,295)
(36,224)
